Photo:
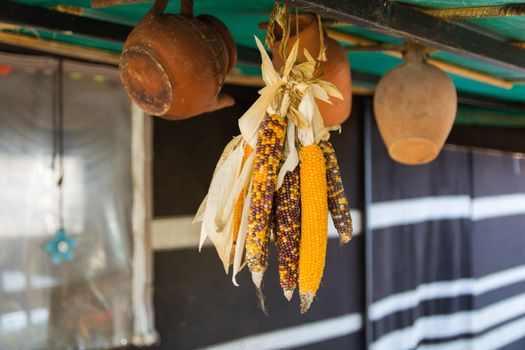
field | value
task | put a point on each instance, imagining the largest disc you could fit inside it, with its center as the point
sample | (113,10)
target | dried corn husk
(200,212)
(225,153)
(226,208)
(252,118)
(223,181)
(291,154)
(241,238)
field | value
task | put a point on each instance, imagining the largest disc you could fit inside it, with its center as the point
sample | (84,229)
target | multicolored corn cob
(239,204)
(314,223)
(288,231)
(337,200)
(268,155)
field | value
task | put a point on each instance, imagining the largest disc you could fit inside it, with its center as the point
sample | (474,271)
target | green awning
(242,19)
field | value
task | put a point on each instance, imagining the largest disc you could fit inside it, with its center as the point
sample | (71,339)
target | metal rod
(477,11)
(367,179)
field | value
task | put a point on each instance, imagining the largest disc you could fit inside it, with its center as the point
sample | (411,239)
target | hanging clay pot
(415,106)
(335,70)
(174,65)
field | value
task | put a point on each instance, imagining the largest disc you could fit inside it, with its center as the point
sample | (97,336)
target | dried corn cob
(337,200)
(239,204)
(288,233)
(268,154)
(314,223)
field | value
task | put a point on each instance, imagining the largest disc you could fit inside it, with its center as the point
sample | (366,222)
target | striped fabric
(448,260)
(449,252)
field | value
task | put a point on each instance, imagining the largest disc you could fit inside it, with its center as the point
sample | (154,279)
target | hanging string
(58,142)
(296,22)
(283,20)
(54,124)
(270,35)
(322,45)
(282,16)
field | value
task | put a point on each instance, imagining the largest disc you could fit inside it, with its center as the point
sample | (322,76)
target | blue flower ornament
(61,247)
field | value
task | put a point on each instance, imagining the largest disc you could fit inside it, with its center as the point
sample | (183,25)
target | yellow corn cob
(239,204)
(337,200)
(314,223)
(288,231)
(268,154)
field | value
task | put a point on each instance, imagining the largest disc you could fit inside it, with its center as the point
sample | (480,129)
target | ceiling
(242,19)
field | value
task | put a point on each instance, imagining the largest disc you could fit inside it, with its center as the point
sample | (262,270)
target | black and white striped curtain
(447,266)
(448,252)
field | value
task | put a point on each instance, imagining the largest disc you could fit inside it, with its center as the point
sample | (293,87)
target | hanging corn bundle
(279,177)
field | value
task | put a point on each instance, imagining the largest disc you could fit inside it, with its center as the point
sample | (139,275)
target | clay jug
(335,70)
(175,65)
(415,106)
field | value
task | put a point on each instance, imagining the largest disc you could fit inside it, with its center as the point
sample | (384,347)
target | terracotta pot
(335,70)
(415,106)
(174,65)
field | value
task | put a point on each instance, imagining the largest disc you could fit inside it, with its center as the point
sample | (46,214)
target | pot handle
(186,8)
(158,7)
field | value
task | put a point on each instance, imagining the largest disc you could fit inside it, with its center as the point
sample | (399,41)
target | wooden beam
(404,22)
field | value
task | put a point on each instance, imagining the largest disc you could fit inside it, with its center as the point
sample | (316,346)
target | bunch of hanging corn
(280,178)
